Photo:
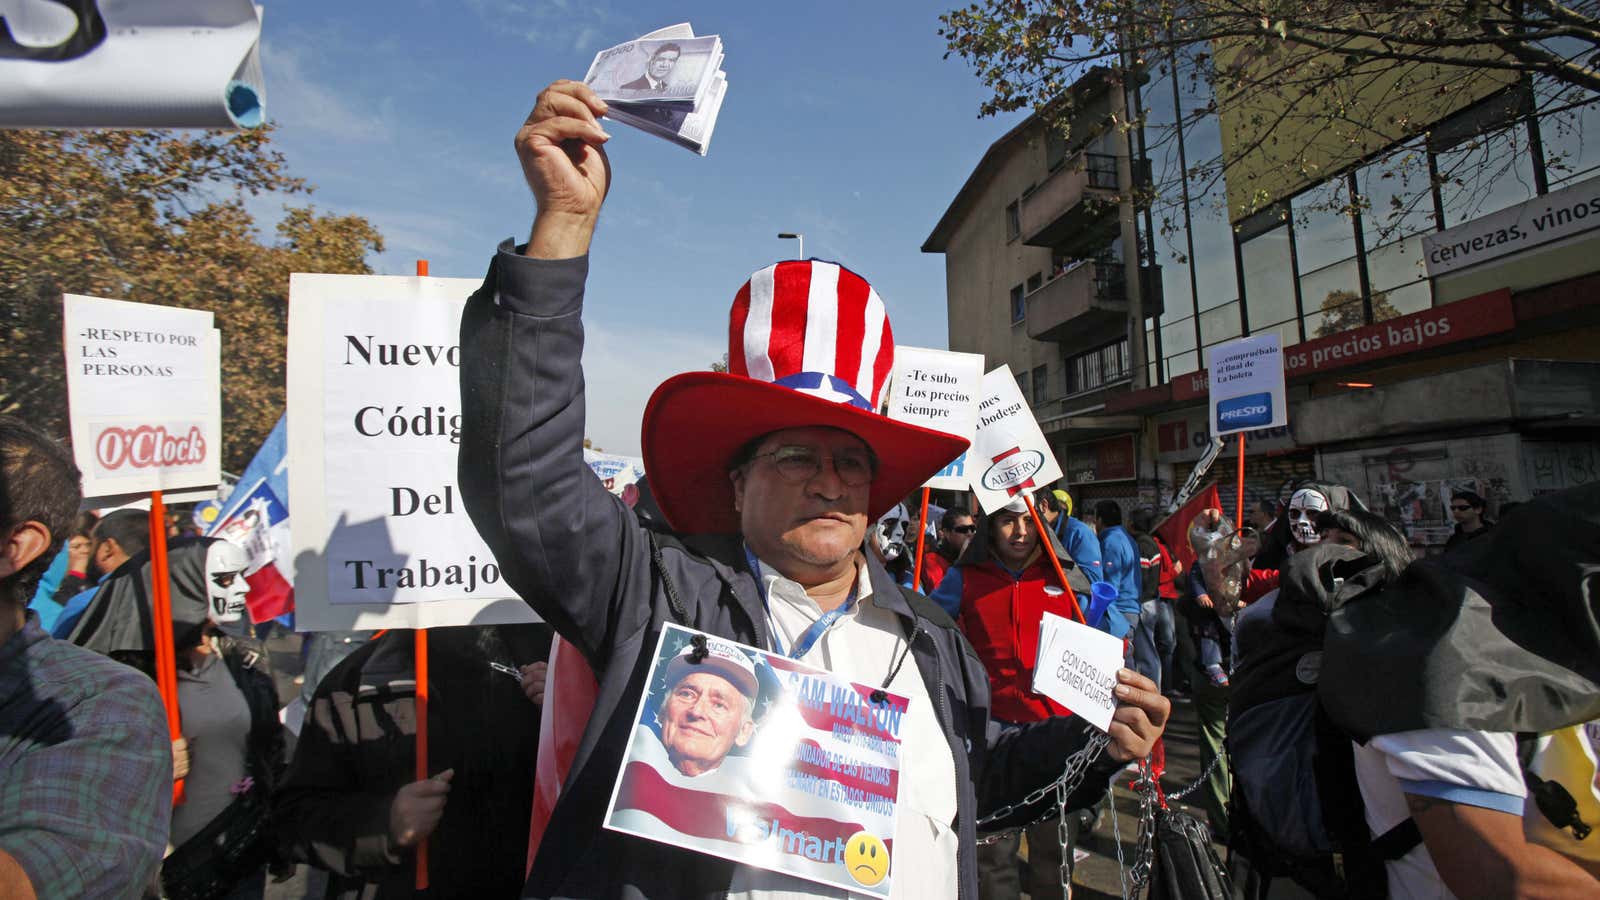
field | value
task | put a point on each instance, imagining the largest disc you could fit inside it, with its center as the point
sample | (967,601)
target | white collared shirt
(863,646)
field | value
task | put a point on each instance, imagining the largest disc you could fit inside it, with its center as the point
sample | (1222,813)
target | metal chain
(1077,766)
(1144,787)
(1211,767)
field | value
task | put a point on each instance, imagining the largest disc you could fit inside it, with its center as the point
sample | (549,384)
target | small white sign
(381,539)
(145,398)
(1009,454)
(1077,668)
(1247,387)
(938,389)
(1558,214)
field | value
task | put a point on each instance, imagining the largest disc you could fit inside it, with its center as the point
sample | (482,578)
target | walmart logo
(1249,411)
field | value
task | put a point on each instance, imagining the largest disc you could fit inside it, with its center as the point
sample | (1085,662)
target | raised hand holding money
(560,146)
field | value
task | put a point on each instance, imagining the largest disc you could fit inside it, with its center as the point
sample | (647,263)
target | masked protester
(887,540)
(770,475)
(232,750)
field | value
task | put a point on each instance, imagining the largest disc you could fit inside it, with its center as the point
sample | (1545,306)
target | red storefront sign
(1112,459)
(1463,320)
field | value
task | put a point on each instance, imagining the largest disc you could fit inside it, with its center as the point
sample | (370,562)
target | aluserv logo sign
(1249,411)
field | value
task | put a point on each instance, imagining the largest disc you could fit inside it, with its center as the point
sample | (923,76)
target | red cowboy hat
(809,345)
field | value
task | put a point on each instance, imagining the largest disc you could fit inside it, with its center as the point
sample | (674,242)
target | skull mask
(890,532)
(225,584)
(1303,509)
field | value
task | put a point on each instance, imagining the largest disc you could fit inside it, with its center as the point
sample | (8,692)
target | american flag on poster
(812,789)
(256,517)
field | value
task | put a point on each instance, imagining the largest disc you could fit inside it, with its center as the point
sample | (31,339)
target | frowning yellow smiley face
(866,859)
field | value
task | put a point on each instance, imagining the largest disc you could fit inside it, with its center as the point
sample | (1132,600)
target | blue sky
(842,121)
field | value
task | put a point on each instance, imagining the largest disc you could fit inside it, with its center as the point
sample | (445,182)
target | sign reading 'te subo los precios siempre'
(1247,385)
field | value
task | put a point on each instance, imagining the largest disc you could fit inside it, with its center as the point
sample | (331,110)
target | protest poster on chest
(1009,453)
(145,399)
(380,537)
(937,389)
(754,757)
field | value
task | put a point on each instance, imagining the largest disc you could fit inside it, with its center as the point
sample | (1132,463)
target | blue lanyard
(814,631)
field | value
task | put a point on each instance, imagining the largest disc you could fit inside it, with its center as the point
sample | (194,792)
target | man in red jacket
(1004,585)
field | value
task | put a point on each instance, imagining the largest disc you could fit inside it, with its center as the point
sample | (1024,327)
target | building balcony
(1071,200)
(1087,300)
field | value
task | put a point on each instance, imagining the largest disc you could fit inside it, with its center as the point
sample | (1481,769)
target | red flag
(1174,531)
(569,695)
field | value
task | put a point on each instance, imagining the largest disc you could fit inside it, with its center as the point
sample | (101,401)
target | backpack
(1296,809)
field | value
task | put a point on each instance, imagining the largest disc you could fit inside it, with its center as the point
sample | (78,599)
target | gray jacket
(585,564)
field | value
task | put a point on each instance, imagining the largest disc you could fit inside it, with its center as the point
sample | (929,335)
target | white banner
(150,64)
(1558,214)
(144,391)
(938,389)
(380,536)
(1247,385)
(1009,454)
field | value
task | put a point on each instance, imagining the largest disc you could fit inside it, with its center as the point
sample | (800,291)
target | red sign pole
(421,654)
(161,625)
(1238,521)
(922,537)
(1050,550)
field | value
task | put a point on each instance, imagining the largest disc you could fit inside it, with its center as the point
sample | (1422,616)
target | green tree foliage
(158,217)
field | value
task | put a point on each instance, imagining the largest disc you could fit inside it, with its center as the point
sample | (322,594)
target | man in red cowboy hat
(769,474)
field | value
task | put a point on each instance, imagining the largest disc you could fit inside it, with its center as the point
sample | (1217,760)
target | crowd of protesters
(1461,688)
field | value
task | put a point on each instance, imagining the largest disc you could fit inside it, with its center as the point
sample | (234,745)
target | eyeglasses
(799,464)
(968,528)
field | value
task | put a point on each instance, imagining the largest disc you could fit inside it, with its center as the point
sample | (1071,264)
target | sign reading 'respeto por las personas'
(937,389)
(1247,385)
(380,537)
(1009,454)
(144,390)
(757,758)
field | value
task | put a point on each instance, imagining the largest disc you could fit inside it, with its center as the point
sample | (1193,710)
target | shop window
(1098,368)
(1220,324)
(1268,278)
(1178,336)
(1041,383)
(1402,301)
(1334,317)
(1019,306)
(1216,281)
(1323,230)
(1485,174)
(1570,138)
(1395,199)
(1326,290)
(1182,364)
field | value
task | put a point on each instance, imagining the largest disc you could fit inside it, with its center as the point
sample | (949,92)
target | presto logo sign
(1249,411)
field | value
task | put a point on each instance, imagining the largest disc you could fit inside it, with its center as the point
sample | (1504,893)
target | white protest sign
(380,537)
(1077,668)
(1247,389)
(1009,454)
(937,389)
(615,472)
(144,390)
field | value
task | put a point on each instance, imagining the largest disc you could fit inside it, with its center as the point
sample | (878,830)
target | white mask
(1303,509)
(225,584)
(890,532)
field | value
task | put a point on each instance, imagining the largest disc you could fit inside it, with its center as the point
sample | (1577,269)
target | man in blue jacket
(1119,558)
(769,474)
(1077,537)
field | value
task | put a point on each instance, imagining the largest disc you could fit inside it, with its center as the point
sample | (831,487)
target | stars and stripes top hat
(809,345)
